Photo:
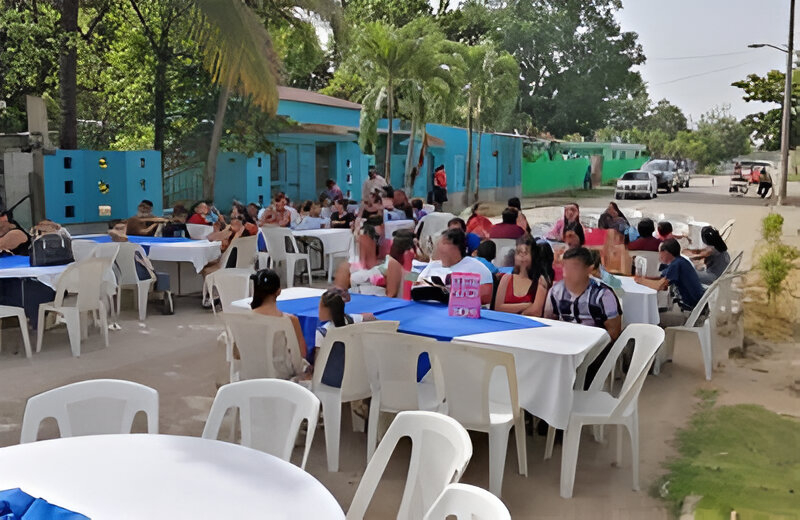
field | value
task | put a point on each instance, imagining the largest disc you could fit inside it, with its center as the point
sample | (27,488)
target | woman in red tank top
(525,290)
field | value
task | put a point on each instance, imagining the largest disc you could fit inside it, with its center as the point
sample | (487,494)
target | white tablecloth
(47,275)
(160,476)
(333,240)
(198,253)
(640,303)
(547,359)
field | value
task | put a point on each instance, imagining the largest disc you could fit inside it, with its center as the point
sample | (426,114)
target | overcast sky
(670,30)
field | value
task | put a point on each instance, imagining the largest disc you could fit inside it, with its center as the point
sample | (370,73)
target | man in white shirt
(374,183)
(452,253)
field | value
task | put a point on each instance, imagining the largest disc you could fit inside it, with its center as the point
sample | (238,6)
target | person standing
(587,178)
(374,183)
(439,194)
(764,182)
(333,191)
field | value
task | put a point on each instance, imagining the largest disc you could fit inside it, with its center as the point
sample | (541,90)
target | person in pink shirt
(571,221)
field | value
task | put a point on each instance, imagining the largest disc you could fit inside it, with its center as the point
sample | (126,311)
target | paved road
(714,190)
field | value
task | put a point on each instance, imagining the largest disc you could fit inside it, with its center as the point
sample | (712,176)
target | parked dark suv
(665,171)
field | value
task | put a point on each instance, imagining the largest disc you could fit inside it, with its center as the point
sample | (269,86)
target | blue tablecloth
(505,270)
(422,319)
(15,504)
(145,242)
(13,262)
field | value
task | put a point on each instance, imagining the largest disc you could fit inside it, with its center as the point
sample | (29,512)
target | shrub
(772,227)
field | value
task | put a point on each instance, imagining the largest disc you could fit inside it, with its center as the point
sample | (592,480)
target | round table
(639,304)
(163,476)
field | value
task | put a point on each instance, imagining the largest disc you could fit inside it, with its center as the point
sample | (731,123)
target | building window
(69,211)
(68,187)
(67,163)
(259,165)
(260,179)
(141,162)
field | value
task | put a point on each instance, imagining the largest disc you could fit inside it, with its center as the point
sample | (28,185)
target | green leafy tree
(392,12)
(766,125)
(666,117)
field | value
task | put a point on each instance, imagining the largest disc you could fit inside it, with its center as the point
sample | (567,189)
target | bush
(772,228)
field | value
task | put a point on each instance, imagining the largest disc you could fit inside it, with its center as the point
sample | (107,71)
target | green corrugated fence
(548,176)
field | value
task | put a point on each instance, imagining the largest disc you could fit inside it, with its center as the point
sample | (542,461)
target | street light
(787,104)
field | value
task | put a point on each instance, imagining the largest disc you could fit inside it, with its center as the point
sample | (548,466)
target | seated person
(570,222)
(176,227)
(416,205)
(477,223)
(386,277)
(524,291)
(332,315)
(13,240)
(579,298)
(332,191)
(401,203)
(486,252)
(613,218)
(226,236)
(266,289)
(144,224)
(452,258)
(473,240)
(665,231)
(340,217)
(522,220)
(238,209)
(200,214)
(312,220)
(615,257)
(646,240)
(255,211)
(325,207)
(678,272)
(715,255)
(278,214)
(508,228)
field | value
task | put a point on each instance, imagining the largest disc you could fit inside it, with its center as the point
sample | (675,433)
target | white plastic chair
(467,502)
(440,452)
(652,262)
(129,278)
(83,276)
(94,407)
(702,331)
(7,311)
(199,231)
(344,253)
(267,345)
(277,239)
(355,384)
(391,360)
(246,249)
(83,249)
(229,285)
(470,398)
(429,228)
(726,229)
(503,245)
(598,407)
(271,411)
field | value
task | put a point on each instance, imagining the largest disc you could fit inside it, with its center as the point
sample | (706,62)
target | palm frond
(238,50)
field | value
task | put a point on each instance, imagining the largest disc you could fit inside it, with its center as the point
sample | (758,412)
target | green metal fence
(548,176)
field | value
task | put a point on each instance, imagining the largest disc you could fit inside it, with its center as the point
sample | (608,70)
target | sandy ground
(177,355)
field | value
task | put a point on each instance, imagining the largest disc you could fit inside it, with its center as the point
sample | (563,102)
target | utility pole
(786,125)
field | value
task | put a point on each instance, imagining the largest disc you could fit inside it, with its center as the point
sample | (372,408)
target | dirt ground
(178,355)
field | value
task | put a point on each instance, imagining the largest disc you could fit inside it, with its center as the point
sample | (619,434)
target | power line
(703,56)
(704,73)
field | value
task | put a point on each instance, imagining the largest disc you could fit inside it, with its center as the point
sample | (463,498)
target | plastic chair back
(82,277)
(467,370)
(231,285)
(198,231)
(82,249)
(267,345)
(709,295)
(653,261)
(430,227)
(126,261)
(391,359)
(271,412)
(726,229)
(95,407)
(246,249)
(503,245)
(647,339)
(355,383)
(467,502)
(440,452)
(280,242)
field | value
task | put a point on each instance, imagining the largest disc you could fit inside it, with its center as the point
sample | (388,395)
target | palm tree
(386,57)
(491,95)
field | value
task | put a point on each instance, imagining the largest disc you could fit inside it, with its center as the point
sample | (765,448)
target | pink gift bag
(465,298)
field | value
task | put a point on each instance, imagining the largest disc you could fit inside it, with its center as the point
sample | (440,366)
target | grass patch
(743,458)
(794,178)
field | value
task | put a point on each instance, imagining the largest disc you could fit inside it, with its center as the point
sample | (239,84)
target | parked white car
(637,183)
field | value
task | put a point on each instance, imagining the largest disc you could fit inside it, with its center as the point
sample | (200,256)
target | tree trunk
(68,76)
(210,173)
(160,106)
(468,173)
(387,169)
(478,154)
(410,158)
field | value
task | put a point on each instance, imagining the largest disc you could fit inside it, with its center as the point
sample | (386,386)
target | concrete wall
(73,177)
(241,178)
(17,170)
